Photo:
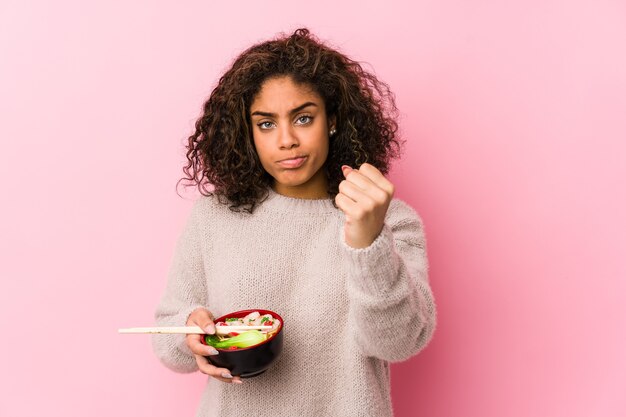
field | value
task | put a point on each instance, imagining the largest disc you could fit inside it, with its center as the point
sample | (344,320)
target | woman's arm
(392,314)
(185,291)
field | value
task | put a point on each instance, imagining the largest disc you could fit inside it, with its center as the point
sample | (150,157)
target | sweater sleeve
(185,291)
(392,314)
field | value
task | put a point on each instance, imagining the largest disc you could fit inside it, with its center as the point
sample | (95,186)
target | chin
(295,177)
(292,183)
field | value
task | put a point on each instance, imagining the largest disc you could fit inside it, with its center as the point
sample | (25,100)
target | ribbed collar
(281,203)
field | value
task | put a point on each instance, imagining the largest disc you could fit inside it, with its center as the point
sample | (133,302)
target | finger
(204,319)
(366,184)
(376,177)
(346,204)
(194,341)
(354,175)
(221,374)
(356,193)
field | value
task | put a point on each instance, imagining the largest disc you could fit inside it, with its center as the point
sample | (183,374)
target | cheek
(324,147)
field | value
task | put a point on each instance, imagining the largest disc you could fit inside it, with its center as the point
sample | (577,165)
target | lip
(293,162)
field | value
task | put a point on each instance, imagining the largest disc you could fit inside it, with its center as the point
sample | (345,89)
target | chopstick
(221,330)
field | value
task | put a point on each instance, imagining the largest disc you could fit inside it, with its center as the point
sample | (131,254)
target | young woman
(296,140)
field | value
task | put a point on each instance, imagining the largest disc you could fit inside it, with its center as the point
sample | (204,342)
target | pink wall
(516,118)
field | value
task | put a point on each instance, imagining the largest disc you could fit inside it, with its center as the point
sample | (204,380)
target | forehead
(281,93)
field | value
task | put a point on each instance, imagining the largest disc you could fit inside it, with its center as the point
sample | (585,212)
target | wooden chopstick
(221,330)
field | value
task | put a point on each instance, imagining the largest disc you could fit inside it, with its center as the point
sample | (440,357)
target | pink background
(515,114)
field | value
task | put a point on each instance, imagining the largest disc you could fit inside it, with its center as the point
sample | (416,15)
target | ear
(332,122)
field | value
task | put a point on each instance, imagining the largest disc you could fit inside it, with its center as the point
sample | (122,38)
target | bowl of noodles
(246,353)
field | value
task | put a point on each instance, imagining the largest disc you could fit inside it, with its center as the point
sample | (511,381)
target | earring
(333,131)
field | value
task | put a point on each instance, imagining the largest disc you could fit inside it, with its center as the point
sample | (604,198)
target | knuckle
(202,313)
(195,316)
(368,207)
(381,197)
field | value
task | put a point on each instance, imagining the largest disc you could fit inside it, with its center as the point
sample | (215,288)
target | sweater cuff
(374,268)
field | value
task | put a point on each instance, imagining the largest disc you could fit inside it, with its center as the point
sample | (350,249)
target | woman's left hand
(364,197)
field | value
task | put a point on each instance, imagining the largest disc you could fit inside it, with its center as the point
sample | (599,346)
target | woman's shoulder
(209,204)
(403,218)
(203,207)
(215,206)
(401,210)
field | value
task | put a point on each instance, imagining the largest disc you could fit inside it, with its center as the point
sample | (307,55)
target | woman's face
(289,121)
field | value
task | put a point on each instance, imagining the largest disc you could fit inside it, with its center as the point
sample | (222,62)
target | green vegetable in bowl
(242,340)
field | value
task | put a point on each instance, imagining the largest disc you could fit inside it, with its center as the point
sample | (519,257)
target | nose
(286,137)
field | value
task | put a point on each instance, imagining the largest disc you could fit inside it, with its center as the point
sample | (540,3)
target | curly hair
(221,151)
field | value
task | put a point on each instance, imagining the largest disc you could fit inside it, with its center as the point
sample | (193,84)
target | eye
(310,119)
(262,124)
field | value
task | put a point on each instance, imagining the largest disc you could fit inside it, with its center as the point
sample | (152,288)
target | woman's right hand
(204,319)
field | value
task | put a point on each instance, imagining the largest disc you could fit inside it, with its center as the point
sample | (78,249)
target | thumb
(204,319)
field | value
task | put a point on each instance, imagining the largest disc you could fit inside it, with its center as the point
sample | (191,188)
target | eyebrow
(297,109)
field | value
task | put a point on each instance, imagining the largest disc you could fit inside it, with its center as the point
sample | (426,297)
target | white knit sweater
(348,312)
